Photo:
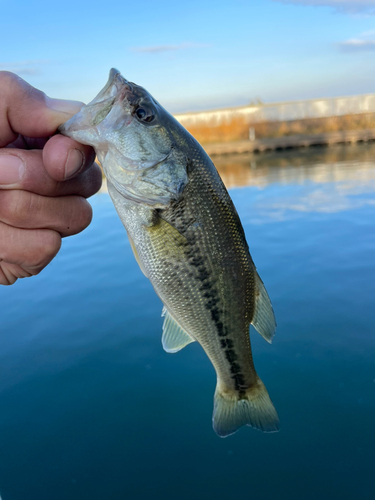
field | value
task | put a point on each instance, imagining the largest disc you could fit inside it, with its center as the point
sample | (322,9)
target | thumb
(27,111)
(62,109)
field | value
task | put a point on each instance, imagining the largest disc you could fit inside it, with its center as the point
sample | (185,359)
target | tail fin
(255,408)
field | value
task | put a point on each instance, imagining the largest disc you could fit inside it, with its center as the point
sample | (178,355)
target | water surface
(93,408)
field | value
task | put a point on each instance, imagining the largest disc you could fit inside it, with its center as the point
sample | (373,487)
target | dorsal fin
(174,337)
(264,319)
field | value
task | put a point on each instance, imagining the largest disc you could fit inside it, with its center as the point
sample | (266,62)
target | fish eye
(144,114)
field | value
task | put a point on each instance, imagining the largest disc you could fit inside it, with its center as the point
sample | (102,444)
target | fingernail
(12,169)
(74,162)
(63,106)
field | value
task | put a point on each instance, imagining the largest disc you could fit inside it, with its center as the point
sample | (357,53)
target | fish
(188,240)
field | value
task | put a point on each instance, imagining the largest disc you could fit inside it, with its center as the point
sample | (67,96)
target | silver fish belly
(188,240)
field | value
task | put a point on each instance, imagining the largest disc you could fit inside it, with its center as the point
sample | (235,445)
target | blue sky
(193,55)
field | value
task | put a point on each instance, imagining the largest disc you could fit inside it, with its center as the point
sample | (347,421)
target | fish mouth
(117,90)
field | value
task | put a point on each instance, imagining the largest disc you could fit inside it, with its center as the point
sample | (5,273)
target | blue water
(91,407)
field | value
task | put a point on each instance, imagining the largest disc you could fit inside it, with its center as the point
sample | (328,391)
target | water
(93,408)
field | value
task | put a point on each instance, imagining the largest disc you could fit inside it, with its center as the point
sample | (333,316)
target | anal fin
(264,319)
(174,337)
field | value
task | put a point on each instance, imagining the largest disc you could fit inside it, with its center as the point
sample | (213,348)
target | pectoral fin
(174,337)
(264,319)
(165,238)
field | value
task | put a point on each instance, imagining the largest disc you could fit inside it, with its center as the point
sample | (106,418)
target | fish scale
(188,240)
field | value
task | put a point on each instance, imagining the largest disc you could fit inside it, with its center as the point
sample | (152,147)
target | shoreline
(289,142)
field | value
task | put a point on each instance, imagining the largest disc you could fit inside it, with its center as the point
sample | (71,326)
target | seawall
(289,142)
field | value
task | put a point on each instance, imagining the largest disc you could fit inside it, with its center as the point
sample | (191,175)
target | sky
(193,55)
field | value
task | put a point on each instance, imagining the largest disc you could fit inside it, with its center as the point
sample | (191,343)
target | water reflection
(330,180)
(352,165)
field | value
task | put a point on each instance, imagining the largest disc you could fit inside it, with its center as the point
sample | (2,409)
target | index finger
(20,100)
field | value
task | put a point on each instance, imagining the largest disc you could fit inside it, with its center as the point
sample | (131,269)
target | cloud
(356,45)
(349,6)
(363,42)
(156,49)
(23,67)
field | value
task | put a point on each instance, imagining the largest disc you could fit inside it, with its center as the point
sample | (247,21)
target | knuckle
(13,85)
(6,278)
(16,206)
(86,215)
(34,271)
(49,243)
(8,79)
(80,216)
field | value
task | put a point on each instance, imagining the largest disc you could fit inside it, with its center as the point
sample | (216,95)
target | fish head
(136,140)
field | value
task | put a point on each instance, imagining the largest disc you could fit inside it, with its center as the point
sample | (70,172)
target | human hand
(44,179)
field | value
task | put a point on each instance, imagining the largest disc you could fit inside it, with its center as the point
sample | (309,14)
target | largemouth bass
(188,240)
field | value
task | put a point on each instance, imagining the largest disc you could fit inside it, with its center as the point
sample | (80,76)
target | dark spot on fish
(203,274)
(220,329)
(212,302)
(205,286)
(227,343)
(215,315)
(239,381)
(231,355)
(196,261)
(235,368)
